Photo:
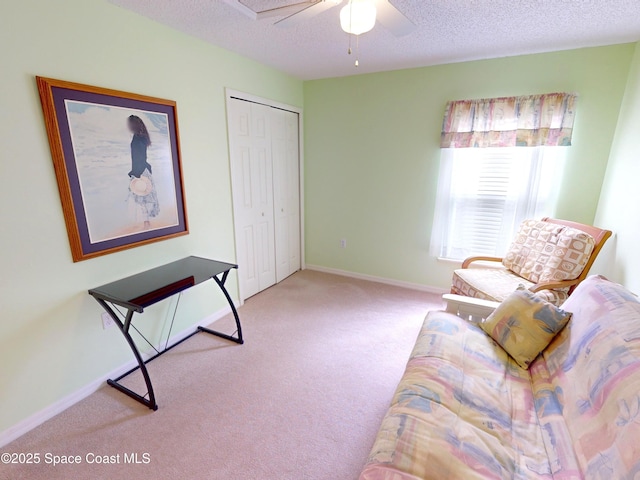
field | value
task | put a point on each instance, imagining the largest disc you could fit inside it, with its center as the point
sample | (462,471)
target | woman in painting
(141,189)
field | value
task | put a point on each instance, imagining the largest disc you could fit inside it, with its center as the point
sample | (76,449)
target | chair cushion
(524,325)
(497,284)
(546,252)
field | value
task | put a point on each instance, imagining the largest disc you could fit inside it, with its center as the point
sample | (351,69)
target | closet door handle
(263,214)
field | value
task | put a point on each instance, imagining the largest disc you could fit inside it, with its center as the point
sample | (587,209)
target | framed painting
(116,157)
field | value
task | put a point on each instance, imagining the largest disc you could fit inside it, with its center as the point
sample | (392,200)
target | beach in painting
(101,144)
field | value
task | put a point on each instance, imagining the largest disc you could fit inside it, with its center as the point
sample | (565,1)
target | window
(501,159)
(484,194)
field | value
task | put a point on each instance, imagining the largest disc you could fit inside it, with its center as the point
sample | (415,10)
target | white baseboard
(38,418)
(372,278)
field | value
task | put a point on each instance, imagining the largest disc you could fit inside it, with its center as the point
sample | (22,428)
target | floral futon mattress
(465,410)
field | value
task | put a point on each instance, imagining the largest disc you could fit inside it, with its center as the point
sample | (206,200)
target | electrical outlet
(107,321)
(343,243)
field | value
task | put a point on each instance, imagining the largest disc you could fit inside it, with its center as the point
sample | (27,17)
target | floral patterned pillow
(524,324)
(546,252)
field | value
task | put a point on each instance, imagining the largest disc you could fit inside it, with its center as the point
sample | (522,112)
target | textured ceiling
(448,31)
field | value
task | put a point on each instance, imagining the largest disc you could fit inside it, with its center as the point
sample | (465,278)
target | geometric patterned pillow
(545,252)
(524,324)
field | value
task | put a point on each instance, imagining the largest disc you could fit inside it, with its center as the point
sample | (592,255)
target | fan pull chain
(350,51)
(351,35)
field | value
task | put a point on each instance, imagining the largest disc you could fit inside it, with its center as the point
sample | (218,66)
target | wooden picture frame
(117,161)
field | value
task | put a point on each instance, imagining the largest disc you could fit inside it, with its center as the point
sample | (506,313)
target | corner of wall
(619,201)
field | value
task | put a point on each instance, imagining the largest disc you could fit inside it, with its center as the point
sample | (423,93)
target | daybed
(465,410)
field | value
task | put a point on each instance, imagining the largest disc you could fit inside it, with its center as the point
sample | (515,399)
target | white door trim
(230,94)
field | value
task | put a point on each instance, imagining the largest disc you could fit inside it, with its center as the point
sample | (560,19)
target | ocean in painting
(101,144)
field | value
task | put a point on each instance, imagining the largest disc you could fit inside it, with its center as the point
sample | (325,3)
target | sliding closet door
(293,169)
(252,178)
(286,186)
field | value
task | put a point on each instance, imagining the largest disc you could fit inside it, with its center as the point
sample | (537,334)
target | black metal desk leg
(239,338)
(124,328)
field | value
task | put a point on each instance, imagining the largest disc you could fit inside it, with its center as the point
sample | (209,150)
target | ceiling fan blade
(240,7)
(285,10)
(393,19)
(307,13)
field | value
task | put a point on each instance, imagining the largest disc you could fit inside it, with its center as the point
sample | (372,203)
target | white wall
(619,207)
(51,338)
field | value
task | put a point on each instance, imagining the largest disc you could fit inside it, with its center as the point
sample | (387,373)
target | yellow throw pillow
(524,324)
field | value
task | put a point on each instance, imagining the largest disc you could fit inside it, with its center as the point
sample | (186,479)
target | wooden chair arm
(469,260)
(554,285)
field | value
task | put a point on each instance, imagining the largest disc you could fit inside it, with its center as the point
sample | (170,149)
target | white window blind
(484,194)
(480,207)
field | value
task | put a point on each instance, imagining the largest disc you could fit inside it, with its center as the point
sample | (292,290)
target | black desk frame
(124,326)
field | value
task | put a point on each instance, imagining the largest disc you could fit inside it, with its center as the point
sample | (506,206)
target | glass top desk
(139,291)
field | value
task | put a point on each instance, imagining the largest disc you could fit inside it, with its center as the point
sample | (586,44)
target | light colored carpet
(302,399)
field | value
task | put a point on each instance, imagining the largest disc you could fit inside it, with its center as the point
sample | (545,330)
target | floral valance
(528,121)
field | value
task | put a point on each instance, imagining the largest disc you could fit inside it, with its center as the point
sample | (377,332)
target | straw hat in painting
(141,186)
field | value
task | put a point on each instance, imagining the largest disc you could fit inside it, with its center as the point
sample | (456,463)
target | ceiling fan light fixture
(358,16)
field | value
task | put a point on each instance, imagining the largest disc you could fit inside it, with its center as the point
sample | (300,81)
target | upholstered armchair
(548,256)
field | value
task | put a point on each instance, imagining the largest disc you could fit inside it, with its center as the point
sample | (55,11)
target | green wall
(619,208)
(372,152)
(371,169)
(51,338)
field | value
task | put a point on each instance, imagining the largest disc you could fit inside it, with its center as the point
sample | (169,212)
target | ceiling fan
(356,17)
